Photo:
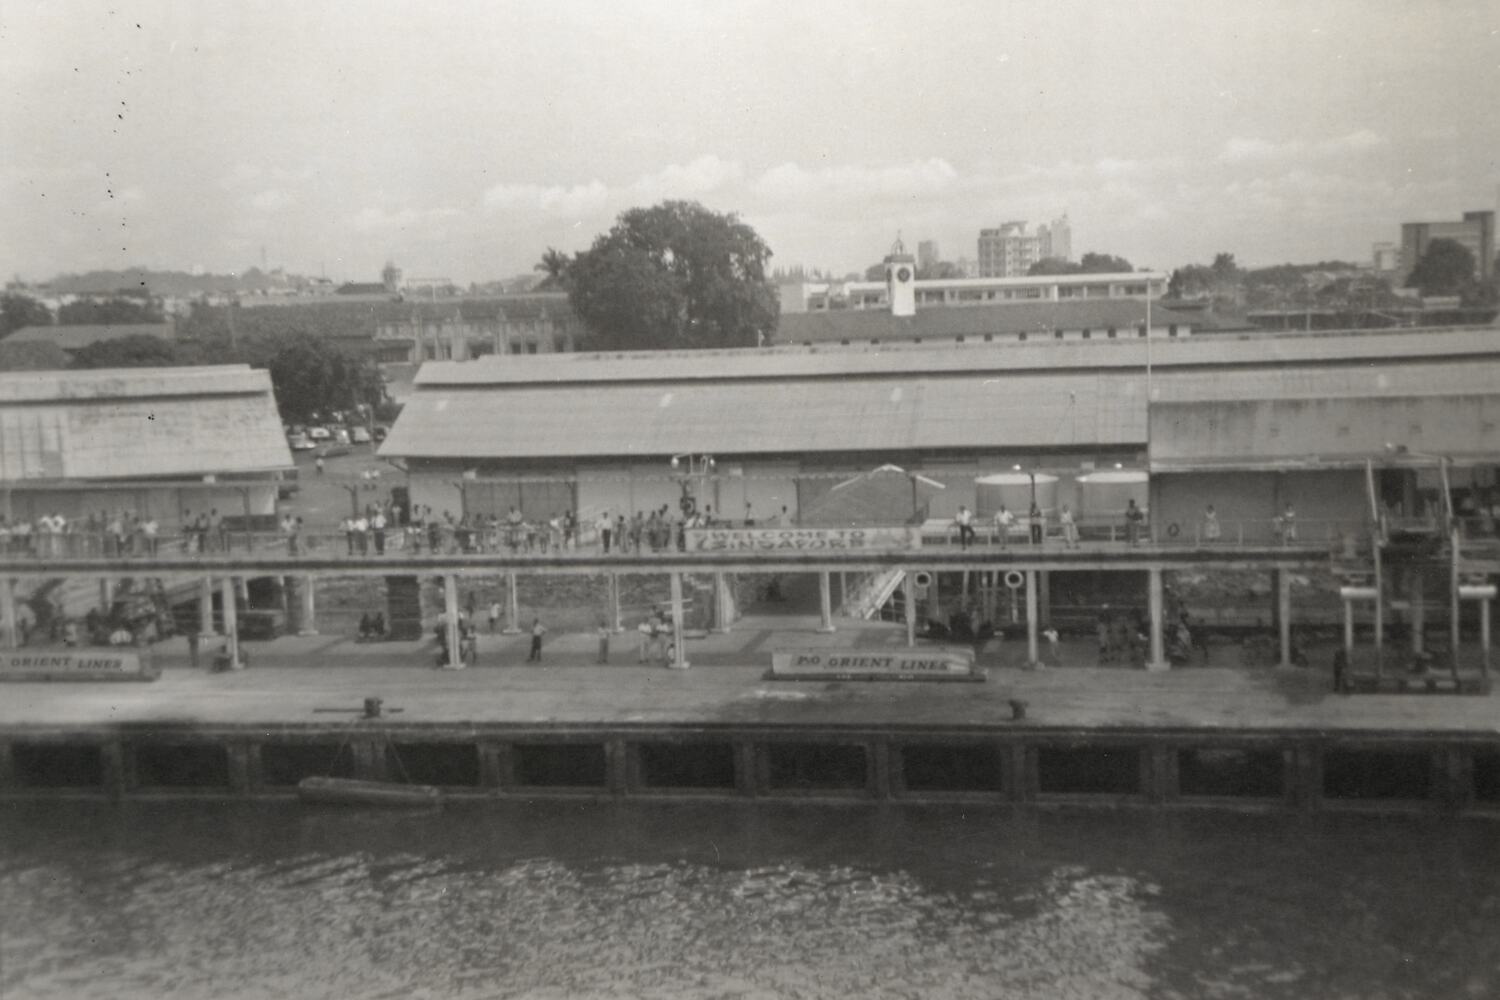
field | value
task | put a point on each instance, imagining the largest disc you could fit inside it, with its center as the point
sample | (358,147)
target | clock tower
(901,280)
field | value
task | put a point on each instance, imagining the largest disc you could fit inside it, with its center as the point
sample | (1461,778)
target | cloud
(793,182)
(702,176)
(580,199)
(1253,150)
(378,220)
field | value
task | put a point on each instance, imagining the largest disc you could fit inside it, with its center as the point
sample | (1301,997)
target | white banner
(799,539)
(935,664)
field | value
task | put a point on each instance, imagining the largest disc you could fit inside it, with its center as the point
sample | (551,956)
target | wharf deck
(726,687)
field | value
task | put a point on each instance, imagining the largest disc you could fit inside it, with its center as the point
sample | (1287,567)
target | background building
(1475,232)
(1008,251)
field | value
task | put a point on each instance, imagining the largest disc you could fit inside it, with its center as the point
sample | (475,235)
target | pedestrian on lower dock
(537,631)
(603,632)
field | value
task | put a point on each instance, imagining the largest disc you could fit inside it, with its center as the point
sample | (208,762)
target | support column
(309,624)
(1044,594)
(1484,635)
(1157,660)
(721,602)
(935,610)
(615,621)
(825,595)
(679,646)
(8,609)
(231,624)
(909,591)
(206,607)
(450,622)
(1417,595)
(1454,607)
(1348,630)
(1284,615)
(1033,655)
(106,594)
(513,608)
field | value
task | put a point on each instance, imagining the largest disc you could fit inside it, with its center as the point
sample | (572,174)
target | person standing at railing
(1211,530)
(1134,518)
(965,522)
(1069,527)
(1038,522)
(1285,525)
(377,530)
(1004,519)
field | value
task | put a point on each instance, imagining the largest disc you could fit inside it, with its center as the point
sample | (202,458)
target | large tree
(138,350)
(554,264)
(310,374)
(1446,268)
(118,311)
(671,276)
(17,311)
(1103,263)
(31,355)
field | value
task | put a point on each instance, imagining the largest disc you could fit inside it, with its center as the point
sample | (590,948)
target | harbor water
(578,900)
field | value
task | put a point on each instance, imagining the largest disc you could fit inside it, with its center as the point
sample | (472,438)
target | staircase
(403,607)
(870,593)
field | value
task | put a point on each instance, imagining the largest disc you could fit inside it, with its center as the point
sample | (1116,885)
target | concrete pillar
(8,609)
(206,607)
(909,590)
(106,594)
(825,596)
(1044,594)
(1416,594)
(679,647)
(309,624)
(935,609)
(231,624)
(1284,615)
(1033,655)
(1349,630)
(513,608)
(616,622)
(1484,629)
(450,622)
(722,612)
(1157,659)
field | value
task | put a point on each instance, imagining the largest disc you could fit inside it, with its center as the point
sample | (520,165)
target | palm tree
(554,264)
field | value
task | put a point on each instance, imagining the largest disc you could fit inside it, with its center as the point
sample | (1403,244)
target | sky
(462,140)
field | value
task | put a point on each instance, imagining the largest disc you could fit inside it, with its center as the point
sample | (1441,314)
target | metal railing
(540,539)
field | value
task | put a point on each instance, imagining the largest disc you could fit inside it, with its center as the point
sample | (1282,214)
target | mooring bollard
(372,708)
(1017,709)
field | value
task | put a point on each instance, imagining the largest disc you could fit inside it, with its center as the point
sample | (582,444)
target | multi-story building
(927,255)
(1009,251)
(820,296)
(1475,232)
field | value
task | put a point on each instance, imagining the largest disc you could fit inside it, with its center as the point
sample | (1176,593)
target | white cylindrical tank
(1013,489)
(1106,494)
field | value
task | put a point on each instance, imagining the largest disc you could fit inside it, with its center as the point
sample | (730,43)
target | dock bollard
(1017,709)
(372,708)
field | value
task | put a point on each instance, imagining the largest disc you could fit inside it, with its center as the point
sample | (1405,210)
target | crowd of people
(103,534)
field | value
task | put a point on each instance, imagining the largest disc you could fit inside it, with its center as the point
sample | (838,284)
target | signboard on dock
(799,539)
(874,665)
(75,665)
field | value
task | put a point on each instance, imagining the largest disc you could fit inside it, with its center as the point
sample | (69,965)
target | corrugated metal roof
(132,383)
(1220,352)
(78,336)
(139,423)
(958,410)
(1005,319)
(1431,378)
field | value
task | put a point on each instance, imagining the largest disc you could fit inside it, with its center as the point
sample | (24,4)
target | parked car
(341,435)
(319,433)
(300,442)
(380,432)
(359,435)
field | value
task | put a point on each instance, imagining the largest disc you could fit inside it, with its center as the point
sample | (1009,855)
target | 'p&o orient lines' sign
(75,665)
(798,539)
(863,664)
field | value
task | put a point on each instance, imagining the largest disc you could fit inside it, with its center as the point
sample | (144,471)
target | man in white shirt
(1003,521)
(965,522)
